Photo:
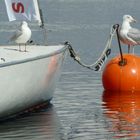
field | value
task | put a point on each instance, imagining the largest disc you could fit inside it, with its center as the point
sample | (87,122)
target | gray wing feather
(134,34)
(16,35)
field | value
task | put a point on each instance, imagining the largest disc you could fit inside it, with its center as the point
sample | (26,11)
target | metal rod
(120,48)
(41,15)
(122,62)
(42,23)
(42,19)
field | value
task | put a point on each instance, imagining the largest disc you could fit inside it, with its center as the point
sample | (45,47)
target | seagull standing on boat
(22,35)
(129,35)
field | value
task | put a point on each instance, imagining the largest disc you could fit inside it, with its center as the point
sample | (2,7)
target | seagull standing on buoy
(22,35)
(129,35)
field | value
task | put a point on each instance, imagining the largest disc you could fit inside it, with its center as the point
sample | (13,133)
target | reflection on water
(123,111)
(36,125)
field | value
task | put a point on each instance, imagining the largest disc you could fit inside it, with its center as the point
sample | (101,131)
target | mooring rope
(97,65)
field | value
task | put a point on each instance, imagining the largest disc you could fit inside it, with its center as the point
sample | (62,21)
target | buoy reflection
(123,111)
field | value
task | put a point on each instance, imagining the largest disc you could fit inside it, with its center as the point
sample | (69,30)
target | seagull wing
(134,34)
(17,34)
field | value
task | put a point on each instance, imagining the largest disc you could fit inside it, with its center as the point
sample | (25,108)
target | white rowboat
(28,78)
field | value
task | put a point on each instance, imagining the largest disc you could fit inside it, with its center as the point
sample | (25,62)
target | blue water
(80,109)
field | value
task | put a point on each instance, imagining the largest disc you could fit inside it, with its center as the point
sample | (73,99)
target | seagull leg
(133,49)
(19,48)
(25,48)
(128,48)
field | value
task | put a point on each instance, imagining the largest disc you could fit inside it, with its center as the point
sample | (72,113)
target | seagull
(129,35)
(22,35)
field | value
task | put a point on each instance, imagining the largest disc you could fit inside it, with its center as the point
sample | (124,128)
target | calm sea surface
(80,109)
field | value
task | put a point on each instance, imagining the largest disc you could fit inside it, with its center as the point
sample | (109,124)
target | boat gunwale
(34,58)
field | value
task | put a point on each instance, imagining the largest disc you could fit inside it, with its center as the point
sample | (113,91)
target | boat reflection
(42,124)
(123,111)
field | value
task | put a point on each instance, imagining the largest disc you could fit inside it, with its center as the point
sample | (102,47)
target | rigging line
(96,66)
(108,45)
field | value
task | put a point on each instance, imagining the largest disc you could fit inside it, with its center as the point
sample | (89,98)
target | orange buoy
(126,77)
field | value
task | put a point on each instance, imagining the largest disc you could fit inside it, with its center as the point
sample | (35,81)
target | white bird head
(24,23)
(128,18)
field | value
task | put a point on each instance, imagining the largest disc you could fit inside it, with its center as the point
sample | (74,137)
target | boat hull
(27,83)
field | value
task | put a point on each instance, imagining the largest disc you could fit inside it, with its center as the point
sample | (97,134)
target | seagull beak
(134,20)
